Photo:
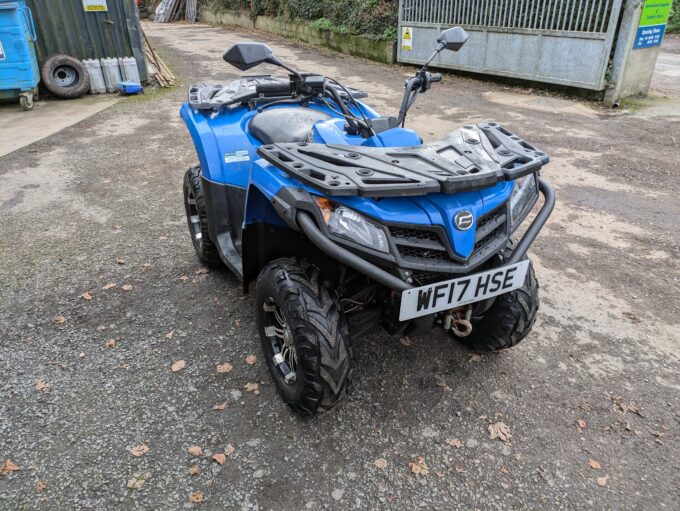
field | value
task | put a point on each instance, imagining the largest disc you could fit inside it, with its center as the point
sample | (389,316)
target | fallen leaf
(195,450)
(381,463)
(500,431)
(146,266)
(633,407)
(162,237)
(229,450)
(626,407)
(504,469)
(194,470)
(183,277)
(252,387)
(442,384)
(126,287)
(219,458)
(459,470)
(419,467)
(602,481)
(197,497)
(109,285)
(251,359)
(86,296)
(139,450)
(454,442)
(120,260)
(170,334)
(475,358)
(405,341)
(581,424)
(82,354)
(594,464)
(224,368)
(40,486)
(111,343)
(59,320)
(220,407)
(202,271)
(116,226)
(42,385)
(8,467)
(178,366)
(137,481)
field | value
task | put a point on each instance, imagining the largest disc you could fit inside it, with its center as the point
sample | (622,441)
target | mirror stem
(274,60)
(440,47)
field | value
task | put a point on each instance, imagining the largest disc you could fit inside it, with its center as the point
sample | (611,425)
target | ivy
(376,19)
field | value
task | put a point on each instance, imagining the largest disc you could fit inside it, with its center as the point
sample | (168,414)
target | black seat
(282,125)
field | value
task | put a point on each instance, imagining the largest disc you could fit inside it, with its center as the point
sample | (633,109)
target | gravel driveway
(101,294)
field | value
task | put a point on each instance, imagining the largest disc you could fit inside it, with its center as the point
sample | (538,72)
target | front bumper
(305,221)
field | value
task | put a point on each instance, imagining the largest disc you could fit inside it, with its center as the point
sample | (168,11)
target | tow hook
(458,321)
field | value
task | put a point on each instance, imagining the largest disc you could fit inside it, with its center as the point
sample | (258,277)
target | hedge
(375,19)
(674,21)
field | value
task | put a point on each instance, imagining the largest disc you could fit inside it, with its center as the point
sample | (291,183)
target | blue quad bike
(347,222)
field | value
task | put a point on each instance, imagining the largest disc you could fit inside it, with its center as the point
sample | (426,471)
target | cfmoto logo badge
(463,220)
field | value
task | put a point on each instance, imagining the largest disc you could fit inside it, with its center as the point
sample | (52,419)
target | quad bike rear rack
(306,223)
(470,158)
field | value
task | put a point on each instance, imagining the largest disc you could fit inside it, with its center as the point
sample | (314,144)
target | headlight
(523,195)
(351,225)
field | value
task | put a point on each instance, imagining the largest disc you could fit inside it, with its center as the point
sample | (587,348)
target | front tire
(509,319)
(305,338)
(197,218)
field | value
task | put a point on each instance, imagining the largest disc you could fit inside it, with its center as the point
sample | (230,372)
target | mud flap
(225,206)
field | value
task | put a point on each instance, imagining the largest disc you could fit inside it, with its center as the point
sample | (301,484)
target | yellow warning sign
(406,38)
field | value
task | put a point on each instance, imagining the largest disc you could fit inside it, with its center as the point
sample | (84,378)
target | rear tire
(65,77)
(197,218)
(509,319)
(298,319)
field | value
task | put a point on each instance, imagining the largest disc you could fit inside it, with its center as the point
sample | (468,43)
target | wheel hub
(194,218)
(280,336)
(64,76)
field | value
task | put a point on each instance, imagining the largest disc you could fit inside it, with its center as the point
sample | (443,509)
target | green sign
(655,12)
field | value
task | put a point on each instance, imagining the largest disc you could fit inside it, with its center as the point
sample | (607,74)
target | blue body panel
(18,63)
(228,155)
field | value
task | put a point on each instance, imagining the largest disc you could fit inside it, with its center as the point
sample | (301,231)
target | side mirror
(453,39)
(246,55)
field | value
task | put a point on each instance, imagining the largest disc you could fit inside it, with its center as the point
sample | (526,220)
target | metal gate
(557,41)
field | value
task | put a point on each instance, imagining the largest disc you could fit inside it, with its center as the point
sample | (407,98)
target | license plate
(449,294)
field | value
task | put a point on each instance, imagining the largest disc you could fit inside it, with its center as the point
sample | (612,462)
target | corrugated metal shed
(63,26)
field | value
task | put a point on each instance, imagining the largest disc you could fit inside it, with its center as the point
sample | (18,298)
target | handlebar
(273,88)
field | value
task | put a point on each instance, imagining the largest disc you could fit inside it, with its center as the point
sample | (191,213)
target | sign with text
(406,38)
(655,14)
(95,6)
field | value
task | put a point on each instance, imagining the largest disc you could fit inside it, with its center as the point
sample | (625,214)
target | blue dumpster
(19,75)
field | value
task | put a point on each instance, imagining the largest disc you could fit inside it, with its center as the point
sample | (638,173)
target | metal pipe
(537,224)
(344,256)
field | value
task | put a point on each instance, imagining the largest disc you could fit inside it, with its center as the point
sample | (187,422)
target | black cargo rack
(470,158)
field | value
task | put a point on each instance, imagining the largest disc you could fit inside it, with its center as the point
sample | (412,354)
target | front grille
(489,238)
(491,216)
(413,234)
(429,247)
(423,253)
